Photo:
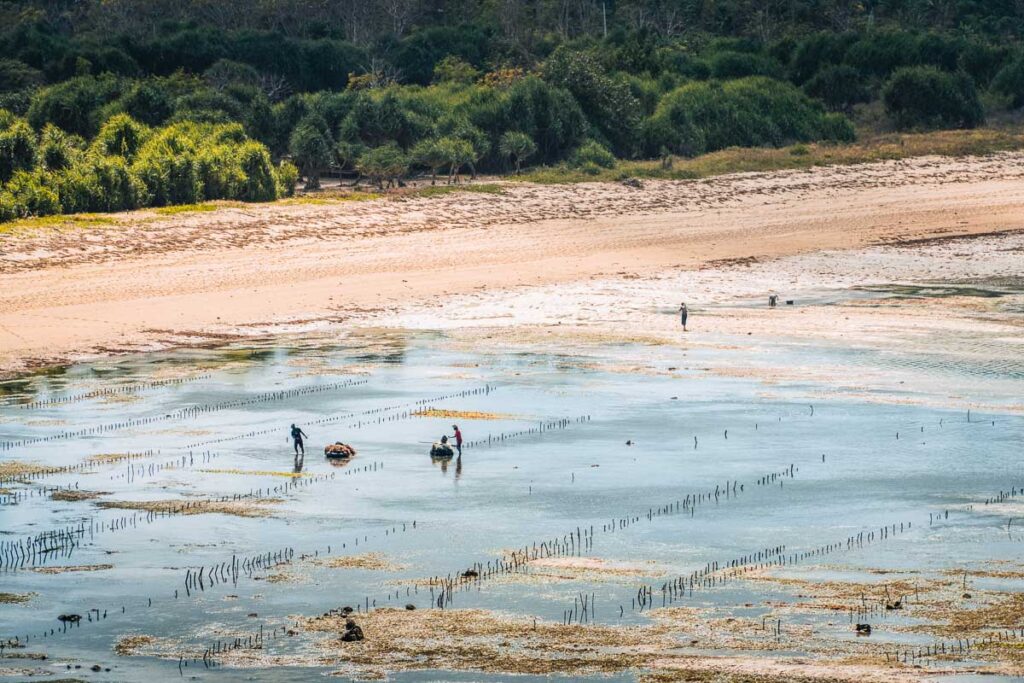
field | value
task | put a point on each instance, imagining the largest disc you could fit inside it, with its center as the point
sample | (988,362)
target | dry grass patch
(462,414)
(259,473)
(371,561)
(15,468)
(132,644)
(15,598)
(75,495)
(239,508)
(483,641)
(72,569)
(107,458)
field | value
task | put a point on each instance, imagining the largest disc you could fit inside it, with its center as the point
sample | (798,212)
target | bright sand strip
(148,283)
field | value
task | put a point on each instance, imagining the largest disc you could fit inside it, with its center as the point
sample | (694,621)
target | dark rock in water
(864,629)
(96,667)
(470,574)
(410,607)
(346,610)
(70,618)
(894,605)
(352,632)
(966,596)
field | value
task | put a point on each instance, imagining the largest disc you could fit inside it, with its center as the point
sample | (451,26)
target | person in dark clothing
(297,436)
(352,632)
(683,313)
(458,439)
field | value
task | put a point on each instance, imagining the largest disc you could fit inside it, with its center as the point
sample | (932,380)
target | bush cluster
(160,107)
(128,165)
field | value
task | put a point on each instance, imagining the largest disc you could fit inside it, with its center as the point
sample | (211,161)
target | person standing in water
(297,435)
(682,315)
(458,439)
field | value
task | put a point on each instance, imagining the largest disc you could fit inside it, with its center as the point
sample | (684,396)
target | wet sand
(149,282)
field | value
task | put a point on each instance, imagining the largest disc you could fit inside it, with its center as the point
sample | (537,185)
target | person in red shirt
(458,439)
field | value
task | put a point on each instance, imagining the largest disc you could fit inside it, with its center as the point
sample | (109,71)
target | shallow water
(841,467)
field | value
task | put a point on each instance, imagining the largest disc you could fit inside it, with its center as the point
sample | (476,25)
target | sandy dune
(150,282)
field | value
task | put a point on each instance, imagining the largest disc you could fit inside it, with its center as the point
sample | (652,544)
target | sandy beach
(147,281)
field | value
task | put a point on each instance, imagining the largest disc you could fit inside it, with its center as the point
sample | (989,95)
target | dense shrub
(926,97)
(606,101)
(384,164)
(592,156)
(1010,81)
(726,65)
(28,193)
(311,148)
(15,75)
(749,112)
(838,86)
(17,148)
(549,115)
(74,104)
(879,54)
(121,136)
(100,183)
(57,149)
(258,182)
(286,176)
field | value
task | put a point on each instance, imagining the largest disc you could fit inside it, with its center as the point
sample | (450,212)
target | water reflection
(445,460)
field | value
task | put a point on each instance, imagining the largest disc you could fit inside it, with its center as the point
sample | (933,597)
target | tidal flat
(632,502)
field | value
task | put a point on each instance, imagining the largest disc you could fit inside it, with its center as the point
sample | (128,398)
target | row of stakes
(77,468)
(559,547)
(583,610)
(517,562)
(202,579)
(366,416)
(442,589)
(44,547)
(184,413)
(112,391)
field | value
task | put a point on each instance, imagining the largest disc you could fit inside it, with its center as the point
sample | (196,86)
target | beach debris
(864,629)
(70,618)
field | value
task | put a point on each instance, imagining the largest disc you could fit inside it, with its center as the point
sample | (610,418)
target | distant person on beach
(682,315)
(297,435)
(773,300)
(458,439)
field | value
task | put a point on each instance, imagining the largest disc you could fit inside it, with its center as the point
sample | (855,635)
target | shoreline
(209,278)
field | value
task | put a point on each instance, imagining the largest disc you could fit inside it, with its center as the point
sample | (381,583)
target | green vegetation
(110,105)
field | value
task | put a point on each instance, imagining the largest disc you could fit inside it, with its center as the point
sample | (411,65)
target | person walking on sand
(682,315)
(458,439)
(297,435)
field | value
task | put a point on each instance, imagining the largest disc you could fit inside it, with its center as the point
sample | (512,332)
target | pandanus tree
(516,147)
